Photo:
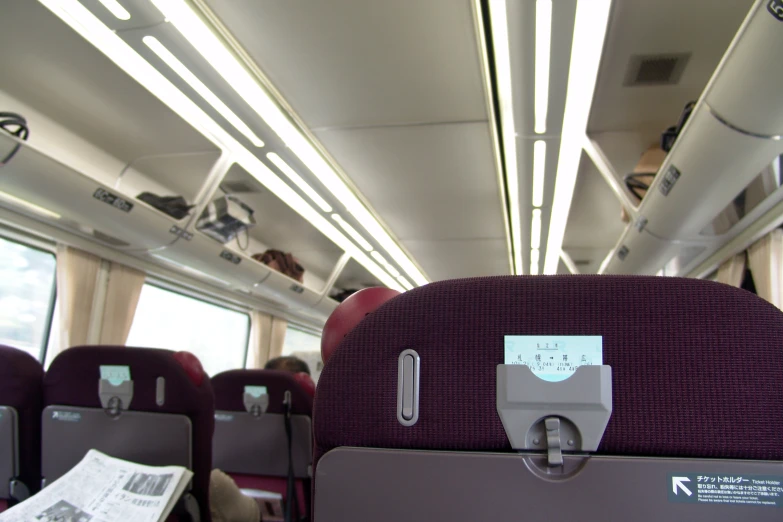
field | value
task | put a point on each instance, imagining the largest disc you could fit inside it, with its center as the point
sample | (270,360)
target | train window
(217,335)
(305,346)
(27,292)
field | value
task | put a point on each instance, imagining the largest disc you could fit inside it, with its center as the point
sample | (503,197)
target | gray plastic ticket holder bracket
(9,450)
(255,405)
(568,415)
(115,398)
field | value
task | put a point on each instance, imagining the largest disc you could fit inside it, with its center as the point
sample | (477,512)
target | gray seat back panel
(9,449)
(253,445)
(360,484)
(154,439)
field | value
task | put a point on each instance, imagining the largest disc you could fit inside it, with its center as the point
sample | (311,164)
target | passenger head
(288,364)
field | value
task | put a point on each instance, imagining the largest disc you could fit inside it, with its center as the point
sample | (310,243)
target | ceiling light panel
(539,172)
(32,207)
(201,37)
(109,43)
(197,85)
(535,229)
(352,232)
(298,181)
(115,8)
(592,17)
(543,52)
(500,40)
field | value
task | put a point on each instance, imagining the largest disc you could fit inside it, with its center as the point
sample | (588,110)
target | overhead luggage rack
(35,184)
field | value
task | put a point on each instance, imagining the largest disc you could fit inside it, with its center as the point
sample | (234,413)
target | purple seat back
(72,380)
(20,388)
(229,387)
(256,456)
(697,366)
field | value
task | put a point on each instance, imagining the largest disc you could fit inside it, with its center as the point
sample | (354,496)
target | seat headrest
(73,379)
(306,382)
(20,378)
(695,364)
(350,313)
(229,388)
(73,376)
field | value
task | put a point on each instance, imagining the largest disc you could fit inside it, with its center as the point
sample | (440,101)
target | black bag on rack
(669,136)
(175,206)
(15,125)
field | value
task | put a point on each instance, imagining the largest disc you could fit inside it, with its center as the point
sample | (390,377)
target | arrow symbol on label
(677,482)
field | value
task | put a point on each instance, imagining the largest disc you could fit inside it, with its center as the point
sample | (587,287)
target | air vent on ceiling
(582,262)
(655,69)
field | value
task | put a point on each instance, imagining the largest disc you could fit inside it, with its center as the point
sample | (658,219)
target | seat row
(451,402)
(155,407)
(504,398)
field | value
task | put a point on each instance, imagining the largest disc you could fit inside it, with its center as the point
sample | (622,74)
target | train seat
(20,425)
(251,442)
(151,406)
(421,416)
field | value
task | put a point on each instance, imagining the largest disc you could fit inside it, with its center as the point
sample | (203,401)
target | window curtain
(97,299)
(122,296)
(277,337)
(732,271)
(267,337)
(765,258)
(77,282)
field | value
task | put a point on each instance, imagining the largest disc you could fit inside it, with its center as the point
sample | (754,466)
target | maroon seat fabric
(229,387)
(72,380)
(697,366)
(21,376)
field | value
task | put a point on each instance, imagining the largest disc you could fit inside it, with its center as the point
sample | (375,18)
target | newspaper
(104,489)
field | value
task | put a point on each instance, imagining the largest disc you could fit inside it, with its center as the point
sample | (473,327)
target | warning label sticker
(711,488)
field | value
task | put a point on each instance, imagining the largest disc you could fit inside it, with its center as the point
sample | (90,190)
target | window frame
(49,248)
(174,288)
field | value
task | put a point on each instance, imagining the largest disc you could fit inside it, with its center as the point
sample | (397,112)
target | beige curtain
(277,338)
(732,271)
(267,336)
(77,281)
(764,258)
(96,300)
(122,295)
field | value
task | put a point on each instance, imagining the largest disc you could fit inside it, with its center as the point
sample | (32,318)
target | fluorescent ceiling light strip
(32,207)
(115,8)
(352,232)
(592,17)
(278,187)
(535,229)
(99,35)
(535,255)
(385,264)
(197,85)
(298,181)
(500,41)
(539,172)
(214,52)
(405,283)
(543,48)
(393,271)
(534,258)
